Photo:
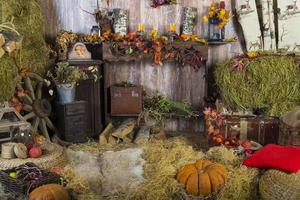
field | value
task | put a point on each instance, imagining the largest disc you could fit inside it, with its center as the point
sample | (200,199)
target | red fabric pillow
(286,158)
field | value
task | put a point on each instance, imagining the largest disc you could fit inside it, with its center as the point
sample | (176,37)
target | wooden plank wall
(179,83)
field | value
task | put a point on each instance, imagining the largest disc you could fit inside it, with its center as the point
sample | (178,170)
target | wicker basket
(21,186)
(53,155)
(288,135)
(278,185)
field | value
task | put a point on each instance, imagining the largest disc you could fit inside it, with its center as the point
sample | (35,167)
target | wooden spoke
(27,108)
(35,124)
(43,128)
(27,99)
(49,123)
(29,116)
(38,92)
(35,76)
(28,85)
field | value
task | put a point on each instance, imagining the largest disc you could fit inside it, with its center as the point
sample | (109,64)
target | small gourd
(20,151)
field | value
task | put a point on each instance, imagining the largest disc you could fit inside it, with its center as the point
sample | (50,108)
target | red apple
(35,152)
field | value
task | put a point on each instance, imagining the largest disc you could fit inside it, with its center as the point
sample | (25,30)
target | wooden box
(126,100)
(72,121)
(264,130)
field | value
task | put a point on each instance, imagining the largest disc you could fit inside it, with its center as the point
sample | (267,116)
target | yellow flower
(205,19)
(212,6)
(222,12)
(211,14)
(154,33)
(252,54)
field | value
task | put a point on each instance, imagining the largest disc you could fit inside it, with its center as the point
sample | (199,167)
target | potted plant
(66,77)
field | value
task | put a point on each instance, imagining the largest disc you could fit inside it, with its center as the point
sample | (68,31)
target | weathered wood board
(179,83)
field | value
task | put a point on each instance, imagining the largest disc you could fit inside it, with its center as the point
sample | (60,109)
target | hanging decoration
(248,18)
(157,3)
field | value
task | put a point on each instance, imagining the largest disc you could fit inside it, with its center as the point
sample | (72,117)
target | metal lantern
(189,20)
(120,24)
(214,32)
(96,30)
(22,134)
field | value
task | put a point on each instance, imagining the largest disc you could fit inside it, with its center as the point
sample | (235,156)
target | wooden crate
(126,100)
(289,135)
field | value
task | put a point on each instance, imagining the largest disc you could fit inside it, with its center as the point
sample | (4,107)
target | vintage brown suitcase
(264,130)
(126,100)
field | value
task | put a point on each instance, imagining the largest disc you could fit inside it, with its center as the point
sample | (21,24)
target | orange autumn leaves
(214,121)
(217,10)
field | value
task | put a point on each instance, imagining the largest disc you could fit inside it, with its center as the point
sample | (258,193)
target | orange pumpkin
(49,192)
(202,177)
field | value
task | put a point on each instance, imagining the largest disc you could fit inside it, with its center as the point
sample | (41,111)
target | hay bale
(270,82)
(278,185)
(122,171)
(240,185)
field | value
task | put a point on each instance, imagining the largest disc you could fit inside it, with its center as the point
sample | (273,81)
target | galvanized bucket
(66,93)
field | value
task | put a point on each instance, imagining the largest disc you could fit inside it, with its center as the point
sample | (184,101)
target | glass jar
(172,35)
(141,32)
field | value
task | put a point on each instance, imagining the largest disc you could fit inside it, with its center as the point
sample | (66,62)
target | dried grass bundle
(241,184)
(223,155)
(164,158)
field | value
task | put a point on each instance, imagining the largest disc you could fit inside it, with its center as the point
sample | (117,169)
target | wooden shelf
(110,57)
(85,62)
(219,43)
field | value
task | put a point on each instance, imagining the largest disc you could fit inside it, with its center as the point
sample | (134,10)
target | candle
(172,27)
(141,27)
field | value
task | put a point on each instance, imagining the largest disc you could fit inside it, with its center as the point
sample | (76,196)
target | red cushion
(286,158)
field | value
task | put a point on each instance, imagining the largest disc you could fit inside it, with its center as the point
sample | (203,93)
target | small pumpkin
(49,192)
(39,139)
(203,177)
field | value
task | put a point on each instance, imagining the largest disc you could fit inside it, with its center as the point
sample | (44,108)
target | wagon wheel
(36,108)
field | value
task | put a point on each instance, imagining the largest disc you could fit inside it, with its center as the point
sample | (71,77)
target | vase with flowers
(217,18)
(65,78)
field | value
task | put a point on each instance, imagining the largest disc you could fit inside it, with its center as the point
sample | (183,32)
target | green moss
(28,21)
(268,82)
